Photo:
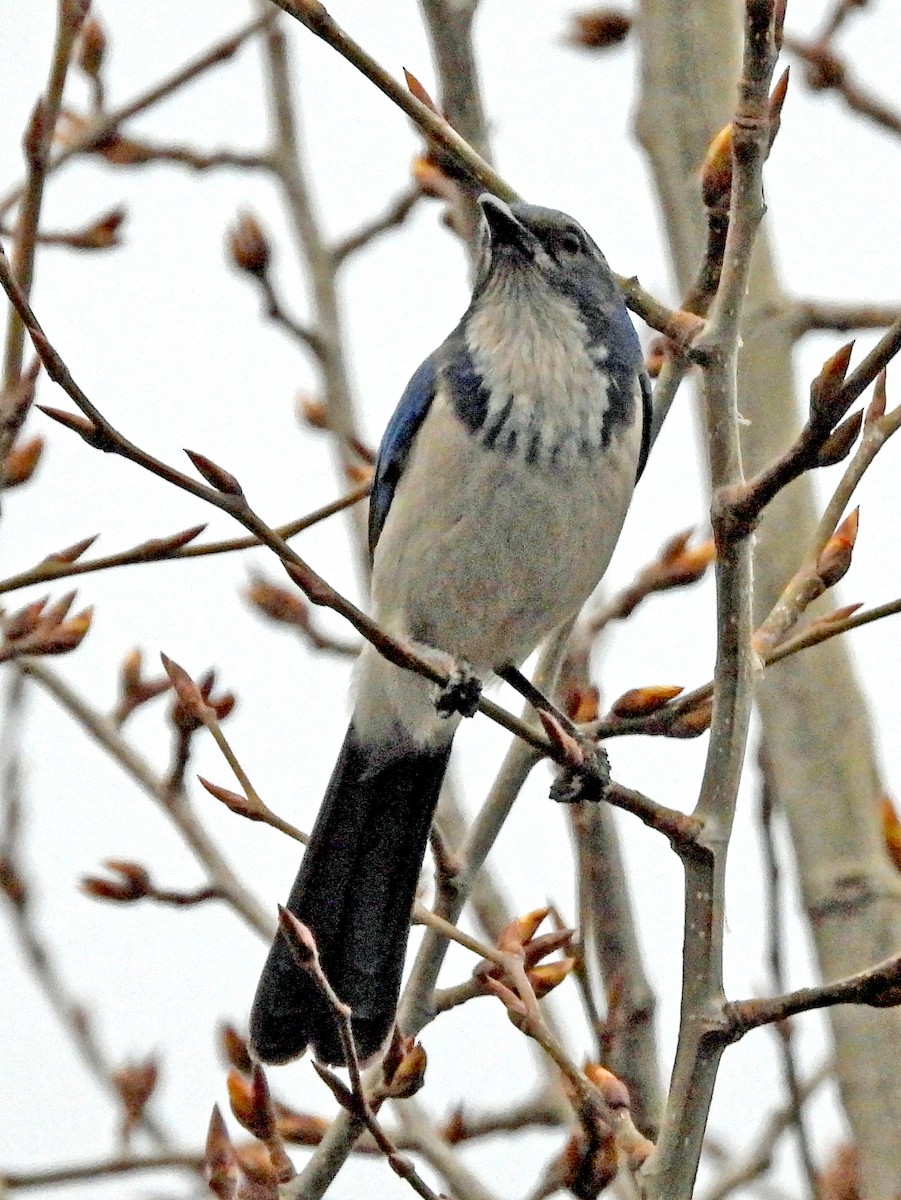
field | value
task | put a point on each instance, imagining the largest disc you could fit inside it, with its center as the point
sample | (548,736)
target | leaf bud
(234,1048)
(220,1162)
(638,702)
(891,830)
(546,976)
(408,1076)
(835,558)
(135,1084)
(514,936)
(312,411)
(694,722)
(248,245)
(716,170)
(92,48)
(599,28)
(21,462)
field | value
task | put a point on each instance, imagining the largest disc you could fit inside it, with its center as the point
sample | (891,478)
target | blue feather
(397,441)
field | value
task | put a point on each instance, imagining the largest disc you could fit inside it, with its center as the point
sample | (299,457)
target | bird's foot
(461,694)
(585,780)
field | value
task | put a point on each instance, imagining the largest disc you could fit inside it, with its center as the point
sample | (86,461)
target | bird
(500,488)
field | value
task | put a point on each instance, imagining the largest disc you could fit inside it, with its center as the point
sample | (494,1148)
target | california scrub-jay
(501,486)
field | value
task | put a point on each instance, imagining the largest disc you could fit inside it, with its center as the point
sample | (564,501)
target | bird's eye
(571,242)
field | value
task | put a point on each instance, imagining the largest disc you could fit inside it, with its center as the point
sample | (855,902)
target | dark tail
(355,890)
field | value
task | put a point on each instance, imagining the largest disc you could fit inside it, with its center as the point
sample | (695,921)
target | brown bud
(545,977)
(716,170)
(133,882)
(656,355)
(54,614)
(587,1166)
(233,800)
(121,151)
(279,604)
(81,425)
(891,830)
(220,1162)
(135,1084)
(609,1085)
(429,178)
(455,1129)
(582,704)
(690,564)
(824,69)
(234,1048)
(357,473)
(416,89)
(301,1129)
(599,28)
(694,722)
(215,475)
(164,546)
(876,407)
(539,947)
(37,134)
(408,1075)
(827,404)
(251,1104)
(513,937)
(299,937)
(21,462)
(255,1162)
(835,558)
(312,411)
(191,708)
(776,102)
(638,702)
(185,688)
(839,443)
(248,246)
(102,233)
(92,48)
(66,636)
(12,885)
(72,553)
(24,621)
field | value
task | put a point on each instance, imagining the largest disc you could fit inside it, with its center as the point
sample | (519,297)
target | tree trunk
(815,726)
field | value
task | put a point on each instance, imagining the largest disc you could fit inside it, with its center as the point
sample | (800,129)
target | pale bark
(814,718)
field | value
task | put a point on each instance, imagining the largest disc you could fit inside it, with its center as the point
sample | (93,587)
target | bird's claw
(586,780)
(461,694)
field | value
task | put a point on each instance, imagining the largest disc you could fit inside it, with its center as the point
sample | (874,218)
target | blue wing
(396,443)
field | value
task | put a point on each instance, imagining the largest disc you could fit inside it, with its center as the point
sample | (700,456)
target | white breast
(482,555)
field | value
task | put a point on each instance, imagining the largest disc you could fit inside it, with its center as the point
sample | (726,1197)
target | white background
(167,341)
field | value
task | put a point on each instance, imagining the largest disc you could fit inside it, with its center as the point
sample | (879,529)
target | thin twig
(157,550)
(102,1169)
(672,1169)
(878,986)
(775,925)
(315,17)
(174,805)
(393,216)
(101,129)
(16,888)
(737,1174)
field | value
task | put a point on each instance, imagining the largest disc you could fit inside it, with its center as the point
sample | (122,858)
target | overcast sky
(167,341)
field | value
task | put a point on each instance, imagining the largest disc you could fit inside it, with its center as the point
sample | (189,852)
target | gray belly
(483,555)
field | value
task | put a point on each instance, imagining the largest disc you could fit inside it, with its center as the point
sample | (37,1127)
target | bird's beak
(504,228)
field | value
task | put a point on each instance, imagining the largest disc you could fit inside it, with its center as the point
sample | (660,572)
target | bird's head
(533,258)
